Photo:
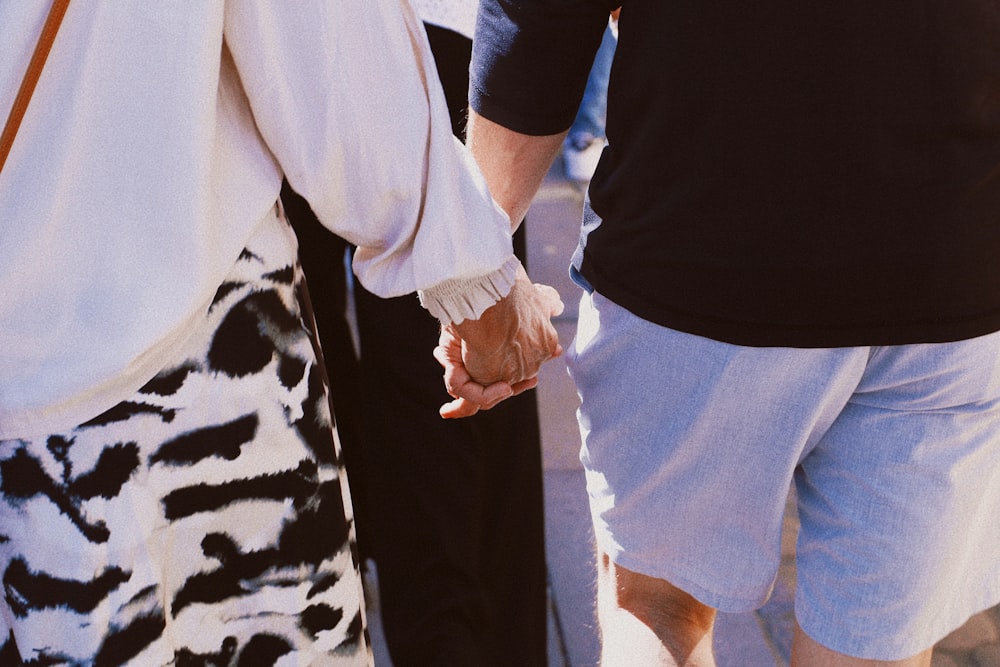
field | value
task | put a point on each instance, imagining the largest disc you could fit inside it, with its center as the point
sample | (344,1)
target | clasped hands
(498,356)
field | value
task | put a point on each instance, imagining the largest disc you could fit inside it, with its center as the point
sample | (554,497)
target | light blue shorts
(690,446)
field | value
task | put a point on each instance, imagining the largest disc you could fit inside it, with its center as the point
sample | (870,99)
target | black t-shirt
(781,172)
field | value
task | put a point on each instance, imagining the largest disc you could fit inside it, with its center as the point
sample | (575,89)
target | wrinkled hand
(498,356)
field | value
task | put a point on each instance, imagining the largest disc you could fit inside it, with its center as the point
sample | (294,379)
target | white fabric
(457,15)
(157,140)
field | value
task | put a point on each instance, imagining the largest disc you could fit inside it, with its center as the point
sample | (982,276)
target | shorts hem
(705,595)
(898,645)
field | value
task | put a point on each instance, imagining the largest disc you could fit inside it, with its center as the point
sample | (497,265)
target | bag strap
(42,49)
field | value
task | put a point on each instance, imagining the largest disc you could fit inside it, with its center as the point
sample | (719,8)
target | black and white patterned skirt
(204,521)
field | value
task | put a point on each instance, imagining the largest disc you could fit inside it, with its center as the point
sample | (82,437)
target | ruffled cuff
(467,298)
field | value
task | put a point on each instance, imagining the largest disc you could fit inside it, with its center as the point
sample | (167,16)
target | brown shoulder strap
(42,49)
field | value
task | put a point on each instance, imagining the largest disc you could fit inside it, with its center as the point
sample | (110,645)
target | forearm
(513,164)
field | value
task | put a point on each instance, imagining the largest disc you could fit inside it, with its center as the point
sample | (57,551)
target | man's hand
(498,356)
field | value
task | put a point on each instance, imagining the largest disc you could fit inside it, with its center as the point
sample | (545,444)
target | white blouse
(157,140)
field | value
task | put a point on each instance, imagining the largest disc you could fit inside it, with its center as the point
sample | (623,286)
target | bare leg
(647,621)
(808,653)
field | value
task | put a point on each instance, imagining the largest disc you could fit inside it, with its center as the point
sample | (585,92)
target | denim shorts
(690,447)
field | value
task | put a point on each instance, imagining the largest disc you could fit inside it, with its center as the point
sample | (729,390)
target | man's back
(805,174)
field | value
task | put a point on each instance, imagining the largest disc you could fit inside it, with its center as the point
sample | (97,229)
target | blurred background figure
(451,511)
(585,141)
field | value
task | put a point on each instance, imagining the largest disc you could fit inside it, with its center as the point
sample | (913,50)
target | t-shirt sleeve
(531,59)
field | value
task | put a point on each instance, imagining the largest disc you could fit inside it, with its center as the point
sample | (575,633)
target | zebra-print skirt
(204,521)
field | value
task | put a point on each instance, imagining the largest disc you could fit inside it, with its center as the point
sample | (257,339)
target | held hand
(470,396)
(497,356)
(512,339)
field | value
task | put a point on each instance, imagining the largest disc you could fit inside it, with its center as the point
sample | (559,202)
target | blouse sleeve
(346,97)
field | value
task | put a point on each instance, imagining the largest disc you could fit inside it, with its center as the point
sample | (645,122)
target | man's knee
(664,608)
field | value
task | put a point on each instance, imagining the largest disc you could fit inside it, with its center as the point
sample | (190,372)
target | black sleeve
(531,59)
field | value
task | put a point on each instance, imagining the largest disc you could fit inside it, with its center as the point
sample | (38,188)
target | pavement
(757,639)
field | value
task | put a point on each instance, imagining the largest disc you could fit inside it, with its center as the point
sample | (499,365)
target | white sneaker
(580,156)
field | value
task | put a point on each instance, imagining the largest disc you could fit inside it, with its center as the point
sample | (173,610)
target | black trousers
(451,510)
